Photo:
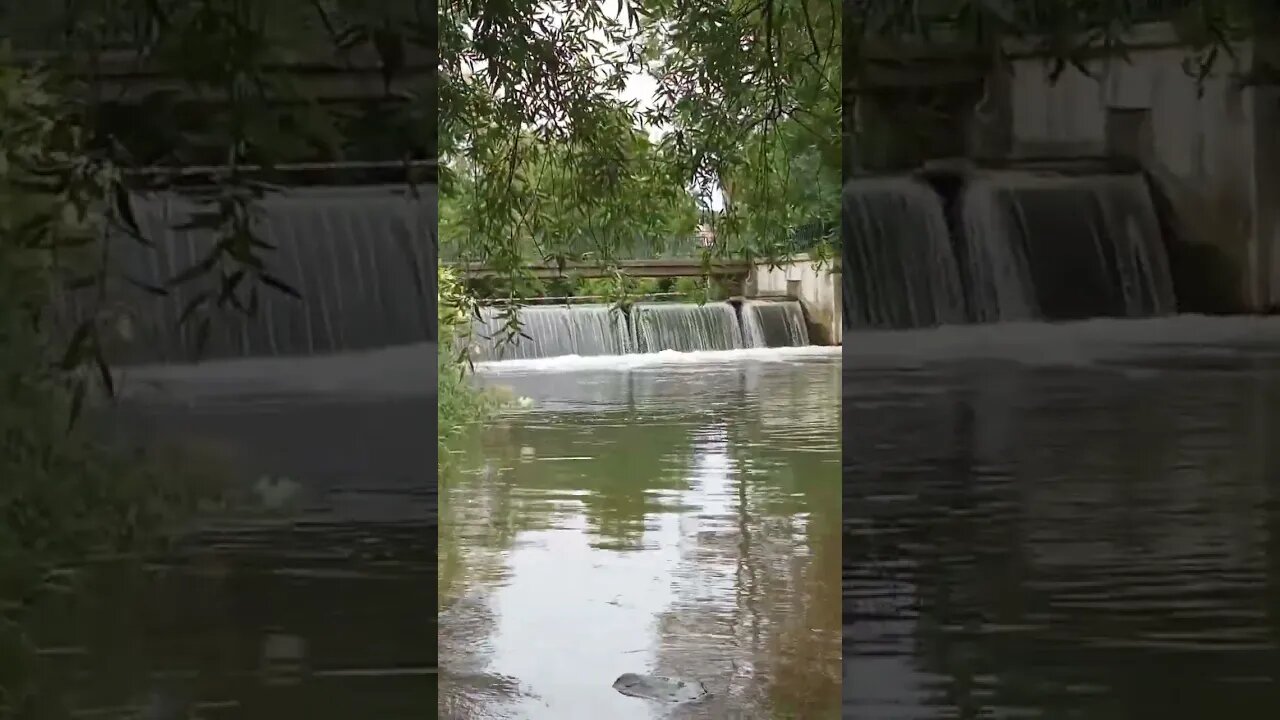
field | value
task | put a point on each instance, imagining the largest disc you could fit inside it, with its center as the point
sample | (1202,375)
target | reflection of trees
(610,463)
(495,493)
(779,549)
(1057,561)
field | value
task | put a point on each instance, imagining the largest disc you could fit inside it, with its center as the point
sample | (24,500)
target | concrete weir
(816,286)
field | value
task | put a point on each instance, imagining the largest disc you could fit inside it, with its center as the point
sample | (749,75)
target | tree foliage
(583,212)
(884,39)
(746,99)
(528,104)
(1066,33)
(63,493)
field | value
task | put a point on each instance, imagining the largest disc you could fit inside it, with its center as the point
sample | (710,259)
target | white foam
(1062,344)
(666,357)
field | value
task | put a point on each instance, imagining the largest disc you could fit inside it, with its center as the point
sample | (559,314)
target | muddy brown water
(678,519)
(322,608)
(1063,521)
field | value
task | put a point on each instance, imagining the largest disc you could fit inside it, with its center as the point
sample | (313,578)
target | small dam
(979,246)
(361,258)
(548,331)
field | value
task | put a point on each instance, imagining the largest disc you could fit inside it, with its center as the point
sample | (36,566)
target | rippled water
(318,606)
(674,515)
(1063,521)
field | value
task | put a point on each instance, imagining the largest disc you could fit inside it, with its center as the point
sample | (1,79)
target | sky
(642,88)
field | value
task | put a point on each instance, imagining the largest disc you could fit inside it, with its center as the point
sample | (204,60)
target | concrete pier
(816,287)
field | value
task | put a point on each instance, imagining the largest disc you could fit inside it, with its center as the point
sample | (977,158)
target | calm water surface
(677,518)
(1073,521)
(315,606)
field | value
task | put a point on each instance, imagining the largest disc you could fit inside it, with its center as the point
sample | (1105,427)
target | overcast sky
(643,89)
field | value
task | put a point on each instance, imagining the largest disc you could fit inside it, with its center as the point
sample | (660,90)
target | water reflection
(316,610)
(679,520)
(1094,534)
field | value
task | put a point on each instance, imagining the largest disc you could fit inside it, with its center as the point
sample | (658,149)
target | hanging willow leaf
(124,209)
(78,390)
(193,305)
(145,286)
(277,284)
(200,269)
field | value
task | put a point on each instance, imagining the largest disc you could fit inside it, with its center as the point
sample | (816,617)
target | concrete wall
(817,289)
(1208,140)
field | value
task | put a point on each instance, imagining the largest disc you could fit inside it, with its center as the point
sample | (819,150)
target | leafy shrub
(460,403)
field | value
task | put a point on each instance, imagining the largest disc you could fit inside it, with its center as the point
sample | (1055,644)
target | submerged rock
(662,689)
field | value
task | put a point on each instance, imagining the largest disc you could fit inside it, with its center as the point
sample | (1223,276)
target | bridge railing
(801,239)
(642,249)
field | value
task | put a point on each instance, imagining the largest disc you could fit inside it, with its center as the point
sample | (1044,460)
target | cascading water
(586,330)
(686,327)
(1049,246)
(361,258)
(552,331)
(900,265)
(774,323)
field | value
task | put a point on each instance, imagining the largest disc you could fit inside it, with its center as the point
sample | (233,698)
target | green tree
(573,227)
(1067,33)
(64,493)
(527,112)
(746,96)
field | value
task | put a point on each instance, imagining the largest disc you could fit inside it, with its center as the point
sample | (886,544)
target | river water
(1063,521)
(673,514)
(312,604)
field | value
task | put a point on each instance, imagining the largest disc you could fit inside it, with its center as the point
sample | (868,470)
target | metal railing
(801,239)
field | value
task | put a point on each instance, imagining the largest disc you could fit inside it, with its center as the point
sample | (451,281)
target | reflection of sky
(572,618)
(880,677)
(571,612)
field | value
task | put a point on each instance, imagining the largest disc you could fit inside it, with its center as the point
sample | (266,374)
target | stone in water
(662,689)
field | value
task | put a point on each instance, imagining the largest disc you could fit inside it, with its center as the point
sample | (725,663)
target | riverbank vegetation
(461,404)
(67,493)
(632,112)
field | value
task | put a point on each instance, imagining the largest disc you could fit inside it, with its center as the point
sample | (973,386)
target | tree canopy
(746,99)
(1065,32)
(530,113)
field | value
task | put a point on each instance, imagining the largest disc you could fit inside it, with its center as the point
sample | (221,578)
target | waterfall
(770,323)
(552,331)
(362,259)
(900,265)
(999,246)
(998,286)
(1049,246)
(686,327)
(560,330)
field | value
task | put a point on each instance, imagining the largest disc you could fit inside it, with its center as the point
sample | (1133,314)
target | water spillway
(551,331)
(686,327)
(901,268)
(1062,247)
(362,259)
(1000,246)
(547,331)
(770,323)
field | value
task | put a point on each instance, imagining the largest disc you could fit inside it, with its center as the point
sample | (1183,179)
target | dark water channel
(672,518)
(318,603)
(1063,521)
